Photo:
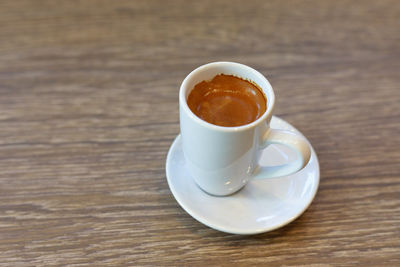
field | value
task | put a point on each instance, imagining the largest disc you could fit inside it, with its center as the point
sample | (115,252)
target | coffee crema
(227,101)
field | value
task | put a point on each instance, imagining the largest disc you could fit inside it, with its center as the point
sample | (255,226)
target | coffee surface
(227,101)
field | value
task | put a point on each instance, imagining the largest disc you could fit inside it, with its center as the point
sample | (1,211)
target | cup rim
(268,94)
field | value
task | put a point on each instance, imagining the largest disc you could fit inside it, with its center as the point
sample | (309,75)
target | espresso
(227,101)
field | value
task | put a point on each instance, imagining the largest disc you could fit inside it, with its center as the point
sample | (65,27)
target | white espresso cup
(222,160)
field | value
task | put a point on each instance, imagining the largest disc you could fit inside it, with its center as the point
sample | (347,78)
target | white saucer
(261,206)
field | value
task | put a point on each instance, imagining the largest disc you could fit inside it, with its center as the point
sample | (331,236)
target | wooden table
(89,109)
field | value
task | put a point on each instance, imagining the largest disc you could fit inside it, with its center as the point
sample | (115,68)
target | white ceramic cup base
(261,206)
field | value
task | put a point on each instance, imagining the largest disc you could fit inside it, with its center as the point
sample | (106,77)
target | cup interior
(209,71)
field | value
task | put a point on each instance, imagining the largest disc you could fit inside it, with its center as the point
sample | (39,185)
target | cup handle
(290,139)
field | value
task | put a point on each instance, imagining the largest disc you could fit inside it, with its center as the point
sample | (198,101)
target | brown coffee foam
(227,101)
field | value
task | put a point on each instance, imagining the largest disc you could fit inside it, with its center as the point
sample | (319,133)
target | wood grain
(89,108)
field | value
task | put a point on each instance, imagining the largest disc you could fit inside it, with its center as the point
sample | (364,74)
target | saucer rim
(234,230)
